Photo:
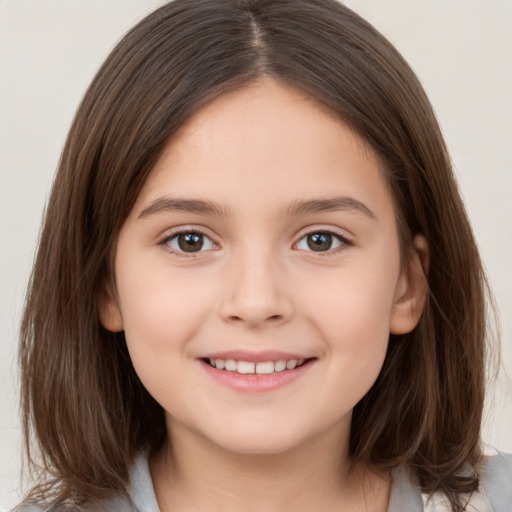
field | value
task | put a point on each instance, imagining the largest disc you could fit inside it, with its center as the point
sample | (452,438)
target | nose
(254,292)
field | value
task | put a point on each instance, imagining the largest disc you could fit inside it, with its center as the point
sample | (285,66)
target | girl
(256,286)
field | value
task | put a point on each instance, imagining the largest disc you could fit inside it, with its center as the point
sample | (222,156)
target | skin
(257,285)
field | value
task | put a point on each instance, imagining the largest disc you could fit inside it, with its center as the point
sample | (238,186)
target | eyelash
(194,231)
(343,242)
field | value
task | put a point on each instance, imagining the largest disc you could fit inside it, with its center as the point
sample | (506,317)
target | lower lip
(253,383)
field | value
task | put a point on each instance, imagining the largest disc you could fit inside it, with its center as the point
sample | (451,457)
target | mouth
(256,368)
(256,372)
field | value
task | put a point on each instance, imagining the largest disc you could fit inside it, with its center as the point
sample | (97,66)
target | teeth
(280,365)
(230,365)
(291,364)
(245,367)
(263,368)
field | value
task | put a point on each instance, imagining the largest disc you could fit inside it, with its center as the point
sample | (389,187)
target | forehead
(265,142)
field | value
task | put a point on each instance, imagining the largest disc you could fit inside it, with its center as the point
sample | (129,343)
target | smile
(249,372)
(260,368)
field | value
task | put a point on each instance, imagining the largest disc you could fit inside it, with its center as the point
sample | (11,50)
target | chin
(271,440)
(259,447)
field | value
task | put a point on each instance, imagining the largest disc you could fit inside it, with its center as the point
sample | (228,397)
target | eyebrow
(331,204)
(198,206)
(202,207)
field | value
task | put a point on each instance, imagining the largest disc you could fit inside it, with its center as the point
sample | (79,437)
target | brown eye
(321,241)
(189,242)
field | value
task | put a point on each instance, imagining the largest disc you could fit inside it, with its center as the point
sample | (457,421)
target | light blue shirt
(494,494)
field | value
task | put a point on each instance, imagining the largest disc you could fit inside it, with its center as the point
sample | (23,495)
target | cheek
(358,335)
(160,320)
(161,311)
(354,301)
(353,313)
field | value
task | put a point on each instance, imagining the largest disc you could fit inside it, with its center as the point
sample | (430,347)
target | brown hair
(82,400)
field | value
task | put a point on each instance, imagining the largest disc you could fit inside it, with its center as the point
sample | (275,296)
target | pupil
(190,242)
(319,241)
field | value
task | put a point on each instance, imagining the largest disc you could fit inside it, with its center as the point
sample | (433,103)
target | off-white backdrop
(49,51)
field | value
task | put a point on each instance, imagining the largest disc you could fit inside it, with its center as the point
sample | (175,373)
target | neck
(195,474)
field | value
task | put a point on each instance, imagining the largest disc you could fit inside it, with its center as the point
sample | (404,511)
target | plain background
(50,50)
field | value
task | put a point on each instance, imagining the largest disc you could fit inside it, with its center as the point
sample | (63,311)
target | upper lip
(254,356)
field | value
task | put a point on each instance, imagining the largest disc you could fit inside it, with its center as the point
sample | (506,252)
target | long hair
(83,404)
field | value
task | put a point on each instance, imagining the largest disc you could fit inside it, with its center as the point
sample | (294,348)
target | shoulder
(140,496)
(496,480)
(494,493)
(45,507)
(115,504)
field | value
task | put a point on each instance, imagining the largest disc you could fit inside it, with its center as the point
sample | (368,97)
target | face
(258,275)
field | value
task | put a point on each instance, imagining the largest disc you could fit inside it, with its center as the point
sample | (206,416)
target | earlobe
(109,311)
(411,290)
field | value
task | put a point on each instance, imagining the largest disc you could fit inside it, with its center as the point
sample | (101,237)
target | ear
(411,290)
(109,310)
